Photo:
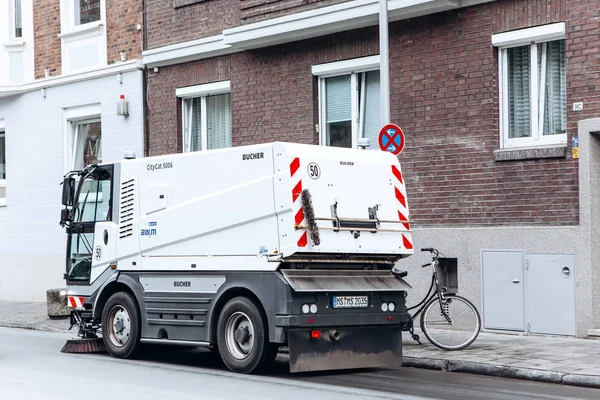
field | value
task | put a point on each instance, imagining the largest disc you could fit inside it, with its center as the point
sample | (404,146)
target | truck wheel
(241,336)
(120,325)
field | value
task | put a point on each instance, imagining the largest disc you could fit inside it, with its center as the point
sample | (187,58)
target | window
(17,31)
(349,104)
(2,165)
(206,116)
(87,143)
(533,90)
(86,11)
(82,136)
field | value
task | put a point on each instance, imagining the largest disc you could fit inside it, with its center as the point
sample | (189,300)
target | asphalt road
(32,367)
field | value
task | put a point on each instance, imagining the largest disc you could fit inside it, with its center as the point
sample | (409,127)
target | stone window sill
(530,153)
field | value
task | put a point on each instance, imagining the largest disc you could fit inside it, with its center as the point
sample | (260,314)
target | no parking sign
(391,138)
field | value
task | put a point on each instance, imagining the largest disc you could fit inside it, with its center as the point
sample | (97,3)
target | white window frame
(525,37)
(350,67)
(3,181)
(67,18)
(72,117)
(186,94)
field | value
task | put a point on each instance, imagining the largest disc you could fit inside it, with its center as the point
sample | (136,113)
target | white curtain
(79,146)
(555,102)
(196,124)
(519,102)
(372,107)
(218,116)
(338,111)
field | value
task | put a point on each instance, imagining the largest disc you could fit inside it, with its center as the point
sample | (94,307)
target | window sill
(530,153)
(2,202)
(15,46)
(88,28)
(183,3)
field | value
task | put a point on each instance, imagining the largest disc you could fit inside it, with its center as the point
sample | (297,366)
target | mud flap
(355,347)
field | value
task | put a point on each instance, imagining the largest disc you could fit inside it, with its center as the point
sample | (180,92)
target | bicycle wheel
(456,332)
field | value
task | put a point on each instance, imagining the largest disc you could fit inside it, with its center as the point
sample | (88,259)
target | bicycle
(449,321)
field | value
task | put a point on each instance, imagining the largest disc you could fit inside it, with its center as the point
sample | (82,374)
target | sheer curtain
(218,131)
(79,146)
(372,112)
(555,102)
(338,111)
(519,101)
(196,124)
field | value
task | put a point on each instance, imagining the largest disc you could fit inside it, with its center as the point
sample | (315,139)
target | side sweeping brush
(309,215)
(91,345)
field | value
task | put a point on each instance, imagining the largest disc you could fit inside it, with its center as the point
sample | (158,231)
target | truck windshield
(93,204)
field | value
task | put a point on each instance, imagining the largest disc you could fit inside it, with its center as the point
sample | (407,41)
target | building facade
(64,66)
(496,99)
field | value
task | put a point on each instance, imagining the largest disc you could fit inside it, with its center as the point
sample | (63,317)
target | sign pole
(384,63)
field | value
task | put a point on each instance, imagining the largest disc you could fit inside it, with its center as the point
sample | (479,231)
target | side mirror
(68,191)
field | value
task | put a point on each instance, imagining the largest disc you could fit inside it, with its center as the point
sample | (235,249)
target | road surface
(32,367)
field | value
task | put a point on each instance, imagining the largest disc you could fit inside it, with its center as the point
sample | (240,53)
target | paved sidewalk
(546,359)
(567,361)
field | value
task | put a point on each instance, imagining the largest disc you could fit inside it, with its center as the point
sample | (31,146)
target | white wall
(32,243)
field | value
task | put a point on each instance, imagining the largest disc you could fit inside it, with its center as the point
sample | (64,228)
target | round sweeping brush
(309,215)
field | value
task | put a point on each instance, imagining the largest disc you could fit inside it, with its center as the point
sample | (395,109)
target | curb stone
(41,327)
(478,368)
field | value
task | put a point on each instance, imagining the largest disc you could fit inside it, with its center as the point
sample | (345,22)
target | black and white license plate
(350,301)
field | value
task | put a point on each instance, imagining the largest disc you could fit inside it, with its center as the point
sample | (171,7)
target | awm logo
(148,232)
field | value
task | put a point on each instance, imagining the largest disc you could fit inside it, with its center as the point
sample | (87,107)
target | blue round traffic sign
(391,138)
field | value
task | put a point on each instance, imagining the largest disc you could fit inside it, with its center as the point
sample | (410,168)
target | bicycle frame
(430,296)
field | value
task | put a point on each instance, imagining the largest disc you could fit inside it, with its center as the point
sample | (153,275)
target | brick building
(63,66)
(491,95)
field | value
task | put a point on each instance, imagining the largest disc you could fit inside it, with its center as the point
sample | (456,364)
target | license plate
(350,301)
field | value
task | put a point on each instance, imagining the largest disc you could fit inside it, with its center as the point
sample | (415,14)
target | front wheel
(121,325)
(451,325)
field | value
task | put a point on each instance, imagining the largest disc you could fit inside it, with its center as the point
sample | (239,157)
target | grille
(126,209)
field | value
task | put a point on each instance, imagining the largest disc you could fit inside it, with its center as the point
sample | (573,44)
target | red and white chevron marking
(76,301)
(400,193)
(297,203)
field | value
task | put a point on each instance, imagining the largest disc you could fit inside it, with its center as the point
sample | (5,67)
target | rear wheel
(121,326)
(452,324)
(242,337)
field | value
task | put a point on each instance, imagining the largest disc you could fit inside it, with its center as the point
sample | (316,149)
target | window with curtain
(351,114)
(18,32)
(86,11)
(535,107)
(87,143)
(207,122)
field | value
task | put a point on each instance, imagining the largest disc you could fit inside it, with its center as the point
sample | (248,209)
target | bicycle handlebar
(430,249)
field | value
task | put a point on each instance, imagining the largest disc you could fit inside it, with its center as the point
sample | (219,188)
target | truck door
(89,240)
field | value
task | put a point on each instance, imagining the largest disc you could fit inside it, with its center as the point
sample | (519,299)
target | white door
(503,289)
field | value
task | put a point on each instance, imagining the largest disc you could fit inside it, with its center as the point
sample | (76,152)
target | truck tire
(242,336)
(121,325)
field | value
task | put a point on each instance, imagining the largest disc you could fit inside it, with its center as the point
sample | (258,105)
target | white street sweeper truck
(241,250)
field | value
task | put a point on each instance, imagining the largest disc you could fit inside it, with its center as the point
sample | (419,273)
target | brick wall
(168,25)
(46,27)
(170,22)
(122,35)
(444,95)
